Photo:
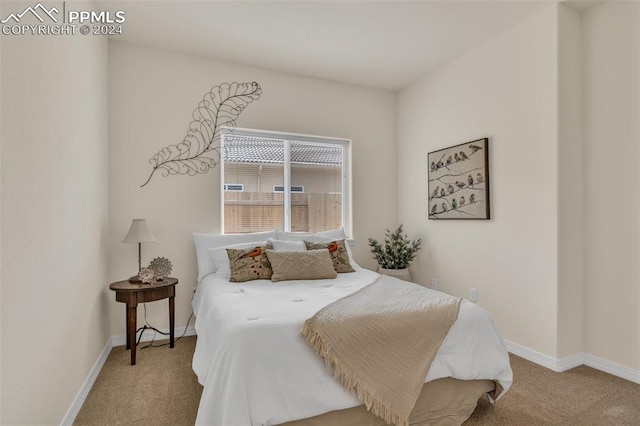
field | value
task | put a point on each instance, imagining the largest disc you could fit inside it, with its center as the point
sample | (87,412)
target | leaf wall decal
(199,151)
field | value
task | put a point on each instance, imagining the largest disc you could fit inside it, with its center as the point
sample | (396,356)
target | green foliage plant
(397,252)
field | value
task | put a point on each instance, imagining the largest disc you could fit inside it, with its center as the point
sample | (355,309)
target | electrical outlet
(473,295)
(434,284)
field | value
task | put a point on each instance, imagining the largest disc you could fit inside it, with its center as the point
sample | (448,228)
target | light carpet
(163,390)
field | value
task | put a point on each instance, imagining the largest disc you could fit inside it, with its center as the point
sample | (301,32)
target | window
(291,182)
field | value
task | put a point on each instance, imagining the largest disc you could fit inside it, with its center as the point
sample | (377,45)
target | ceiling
(374,43)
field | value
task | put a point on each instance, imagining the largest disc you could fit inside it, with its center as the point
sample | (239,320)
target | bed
(257,369)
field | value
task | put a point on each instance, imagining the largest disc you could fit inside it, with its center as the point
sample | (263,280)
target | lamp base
(135,279)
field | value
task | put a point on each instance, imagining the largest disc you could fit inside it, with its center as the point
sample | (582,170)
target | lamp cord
(156,332)
(148,326)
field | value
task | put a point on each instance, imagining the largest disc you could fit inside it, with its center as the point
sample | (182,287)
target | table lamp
(138,233)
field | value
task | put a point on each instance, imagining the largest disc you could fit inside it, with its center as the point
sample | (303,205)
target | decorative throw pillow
(203,242)
(337,250)
(221,258)
(249,264)
(301,265)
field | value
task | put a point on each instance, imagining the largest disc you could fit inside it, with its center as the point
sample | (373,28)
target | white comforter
(257,369)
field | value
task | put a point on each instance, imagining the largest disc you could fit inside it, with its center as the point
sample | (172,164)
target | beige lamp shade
(139,233)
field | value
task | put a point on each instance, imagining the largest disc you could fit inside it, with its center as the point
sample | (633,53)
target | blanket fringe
(346,379)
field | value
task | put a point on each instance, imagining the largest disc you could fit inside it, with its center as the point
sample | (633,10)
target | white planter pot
(402,274)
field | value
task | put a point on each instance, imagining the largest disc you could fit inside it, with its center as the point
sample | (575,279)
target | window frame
(344,143)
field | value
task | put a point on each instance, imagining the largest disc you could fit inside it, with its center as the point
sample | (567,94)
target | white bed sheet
(257,369)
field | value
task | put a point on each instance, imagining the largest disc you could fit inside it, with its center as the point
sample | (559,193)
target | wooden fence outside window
(259,211)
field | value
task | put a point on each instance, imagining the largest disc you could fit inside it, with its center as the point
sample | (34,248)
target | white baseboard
(573,361)
(534,356)
(564,364)
(113,341)
(612,368)
(72,412)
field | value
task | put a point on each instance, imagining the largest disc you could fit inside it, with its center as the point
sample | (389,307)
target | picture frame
(458,182)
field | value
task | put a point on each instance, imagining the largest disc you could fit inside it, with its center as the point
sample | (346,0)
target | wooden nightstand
(134,293)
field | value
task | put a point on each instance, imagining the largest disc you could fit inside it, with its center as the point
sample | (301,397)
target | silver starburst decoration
(161,267)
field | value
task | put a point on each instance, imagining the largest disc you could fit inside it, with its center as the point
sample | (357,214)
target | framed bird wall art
(459,181)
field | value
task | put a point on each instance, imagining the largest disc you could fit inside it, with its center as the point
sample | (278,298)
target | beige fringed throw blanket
(381,341)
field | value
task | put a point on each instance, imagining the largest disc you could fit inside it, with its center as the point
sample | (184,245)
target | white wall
(54,221)
(506,89)
(152,95)
(570,185)
(557,266)
(612,197)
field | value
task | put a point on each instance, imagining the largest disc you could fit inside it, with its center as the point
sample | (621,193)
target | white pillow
(324,236)
(204,242)
(350,253)
(281,245)
(221,259)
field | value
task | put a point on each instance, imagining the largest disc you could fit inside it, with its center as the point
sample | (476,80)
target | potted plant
(395,255)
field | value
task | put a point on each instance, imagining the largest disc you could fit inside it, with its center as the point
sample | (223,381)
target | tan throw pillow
(337,250)
(249,264)
(301,265)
